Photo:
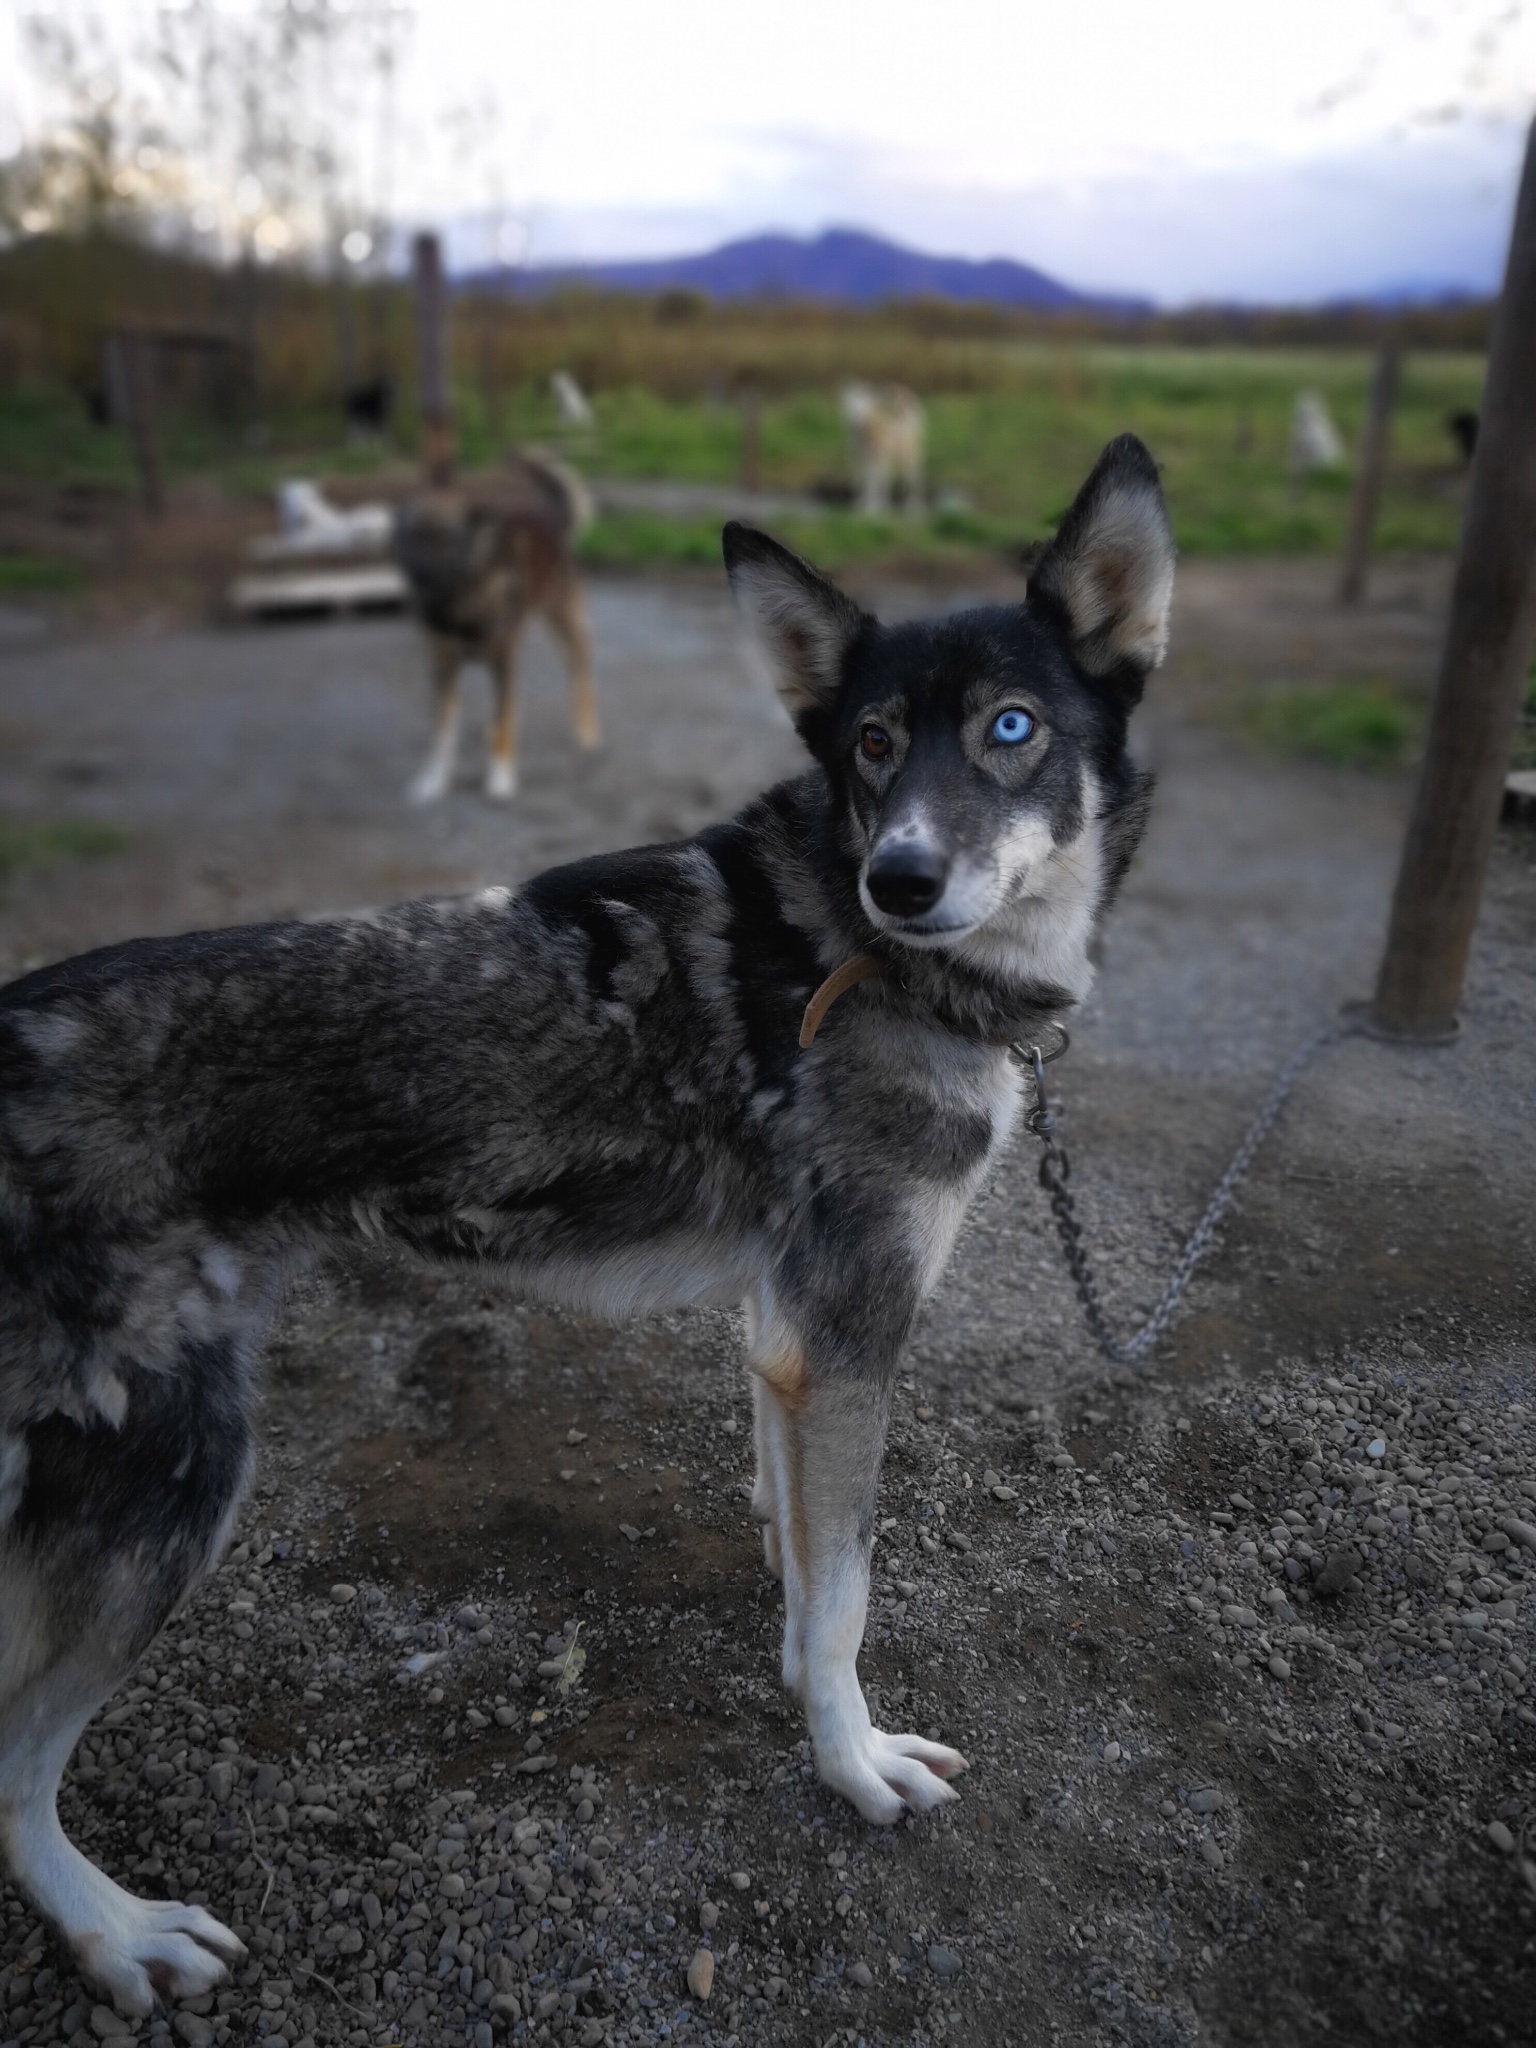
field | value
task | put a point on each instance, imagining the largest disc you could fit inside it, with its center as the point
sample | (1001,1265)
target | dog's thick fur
(592,1085)
(480,563)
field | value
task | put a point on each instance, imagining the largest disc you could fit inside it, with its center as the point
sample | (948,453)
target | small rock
(1376,1448)
(701,1973)
(709,1916)
(106,2025)
(1501,1837)
(1211,1851)
(943,1961)
(629,1532)
(861,1974)
(1341,1566)
(1206,1799)
(575,1436)
(1111,1752)
(193,2029)
(342,1593)
(741,1880)
(1278,1667)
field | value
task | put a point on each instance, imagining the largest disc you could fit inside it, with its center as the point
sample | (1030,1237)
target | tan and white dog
(887,434)
(481,561)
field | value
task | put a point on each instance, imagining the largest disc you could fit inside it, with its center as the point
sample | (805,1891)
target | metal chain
(1055,1172)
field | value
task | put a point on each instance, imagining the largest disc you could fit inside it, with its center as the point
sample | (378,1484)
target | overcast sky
(1182,149)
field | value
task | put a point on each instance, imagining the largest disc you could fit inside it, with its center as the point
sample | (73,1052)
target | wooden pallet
(317,590)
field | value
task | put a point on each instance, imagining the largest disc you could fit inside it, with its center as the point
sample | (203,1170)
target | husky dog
(887,432)
(626,1085)
(479,563)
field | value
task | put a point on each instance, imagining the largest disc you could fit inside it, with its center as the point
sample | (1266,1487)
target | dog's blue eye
(1012,726)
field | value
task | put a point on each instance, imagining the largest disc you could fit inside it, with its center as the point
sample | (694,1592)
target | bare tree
(99,160)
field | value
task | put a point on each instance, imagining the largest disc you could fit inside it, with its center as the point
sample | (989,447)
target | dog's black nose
(906,879)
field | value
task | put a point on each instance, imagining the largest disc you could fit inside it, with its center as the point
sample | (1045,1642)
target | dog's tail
(575,510)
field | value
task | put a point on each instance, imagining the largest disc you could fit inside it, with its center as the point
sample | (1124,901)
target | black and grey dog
(625,1086)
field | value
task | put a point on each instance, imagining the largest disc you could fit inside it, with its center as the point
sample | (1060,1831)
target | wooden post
(751,434)
(131,394)
(1482,675)
(490,371)
(432,359)
(1373,463)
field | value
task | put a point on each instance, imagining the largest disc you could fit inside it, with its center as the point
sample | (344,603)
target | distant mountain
(843,264)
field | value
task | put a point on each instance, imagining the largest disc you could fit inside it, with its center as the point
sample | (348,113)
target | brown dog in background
(480,560)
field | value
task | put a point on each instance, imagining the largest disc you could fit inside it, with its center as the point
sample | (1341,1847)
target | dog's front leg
(435,776)
(820,1438)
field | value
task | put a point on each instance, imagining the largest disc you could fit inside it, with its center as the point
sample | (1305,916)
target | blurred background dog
(887,435)
(480,562)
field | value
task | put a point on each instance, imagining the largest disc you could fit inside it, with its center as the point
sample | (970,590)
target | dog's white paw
(430,786)
(501,779)
(886,1776)
(147,1950)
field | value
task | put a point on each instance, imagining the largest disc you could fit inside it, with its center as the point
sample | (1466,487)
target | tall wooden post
(1482,675)
(131,393)
(751,434)
(1373,463)
(432,358)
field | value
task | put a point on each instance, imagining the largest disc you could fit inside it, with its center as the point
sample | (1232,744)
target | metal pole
(1373,463)
(1482,675)
(432,358)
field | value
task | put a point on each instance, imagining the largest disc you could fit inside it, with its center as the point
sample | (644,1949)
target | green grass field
(1009,451)
(1217,421)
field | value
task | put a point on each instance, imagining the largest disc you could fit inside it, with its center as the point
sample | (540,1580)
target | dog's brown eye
(875,741)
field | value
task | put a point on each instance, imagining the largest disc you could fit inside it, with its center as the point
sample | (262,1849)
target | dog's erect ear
(805,623)
(1109,571)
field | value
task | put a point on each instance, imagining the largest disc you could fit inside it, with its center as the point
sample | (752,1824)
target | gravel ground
(476,1735)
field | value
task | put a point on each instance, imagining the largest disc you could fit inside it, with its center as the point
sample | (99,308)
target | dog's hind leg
(566,611)
(435,777)
(824,1432)
(105,1531)
(501,768)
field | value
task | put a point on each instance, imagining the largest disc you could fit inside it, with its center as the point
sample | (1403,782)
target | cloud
(1424,210)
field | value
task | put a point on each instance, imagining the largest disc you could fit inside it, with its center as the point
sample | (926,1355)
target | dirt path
(1212,1799)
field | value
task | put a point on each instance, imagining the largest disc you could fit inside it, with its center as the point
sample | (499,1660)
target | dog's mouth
(938,905)
(926,931)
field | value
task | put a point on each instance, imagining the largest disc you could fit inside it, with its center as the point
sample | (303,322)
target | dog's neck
(970,999)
